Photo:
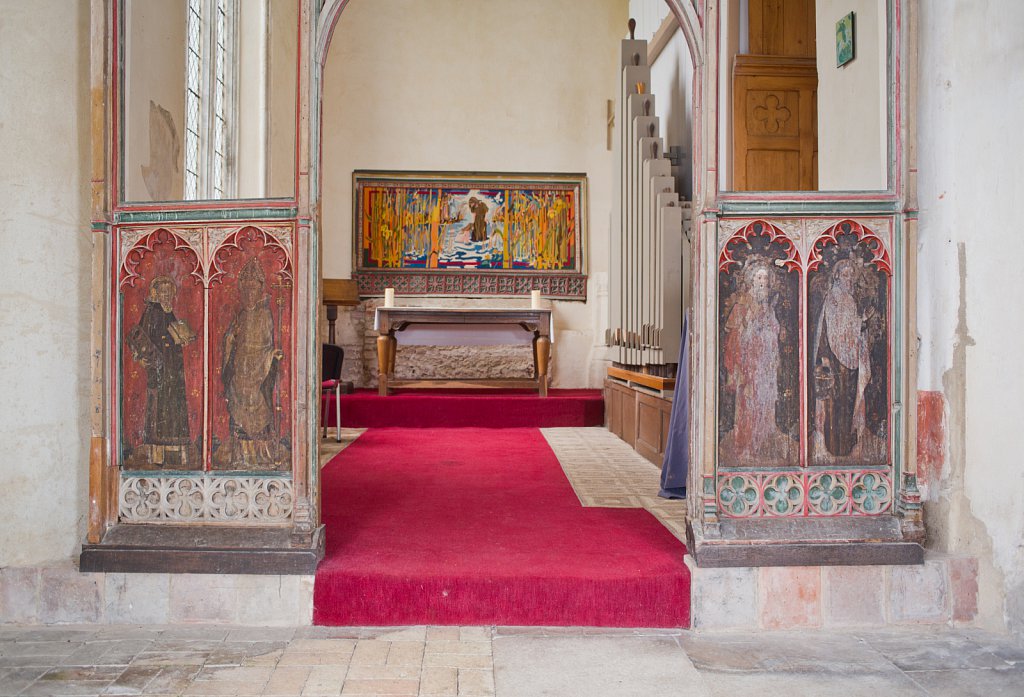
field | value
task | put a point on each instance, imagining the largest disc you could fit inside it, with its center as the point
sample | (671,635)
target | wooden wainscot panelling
(775,123)
(652,416)
(638,417)
(620,403)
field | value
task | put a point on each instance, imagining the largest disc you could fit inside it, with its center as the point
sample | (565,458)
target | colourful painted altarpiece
(470,234)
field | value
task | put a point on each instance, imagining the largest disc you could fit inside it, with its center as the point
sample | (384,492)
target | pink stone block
(920,594)
(790,596)
(206,598)
(963,582)
(69,597)
(854,596)
(19,595)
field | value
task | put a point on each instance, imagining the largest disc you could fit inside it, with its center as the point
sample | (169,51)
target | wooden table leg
(383,344)
(535,373)
(392,350)
(543,354)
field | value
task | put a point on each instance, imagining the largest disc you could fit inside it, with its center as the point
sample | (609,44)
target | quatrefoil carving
(772,114)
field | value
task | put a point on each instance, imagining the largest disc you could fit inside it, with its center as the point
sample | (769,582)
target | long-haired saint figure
(842,364)
(751,360)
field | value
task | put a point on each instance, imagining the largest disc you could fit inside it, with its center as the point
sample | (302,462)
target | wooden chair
(330,375)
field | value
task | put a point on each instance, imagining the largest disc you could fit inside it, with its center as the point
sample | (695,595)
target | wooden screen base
(638,417)
(198,549)
(869,540)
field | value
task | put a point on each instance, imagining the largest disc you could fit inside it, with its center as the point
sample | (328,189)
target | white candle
(535,299)
(389,297)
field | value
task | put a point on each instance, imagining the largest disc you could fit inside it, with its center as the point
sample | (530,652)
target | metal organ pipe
(647,236)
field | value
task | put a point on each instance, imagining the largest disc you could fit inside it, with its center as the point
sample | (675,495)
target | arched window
(211,103)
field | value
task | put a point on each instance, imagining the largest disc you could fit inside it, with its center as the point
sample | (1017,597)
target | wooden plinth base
(197,549)
(875,540)
(635,379)
(638,417)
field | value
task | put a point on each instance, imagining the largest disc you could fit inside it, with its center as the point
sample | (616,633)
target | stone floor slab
(593,666)
(970,683)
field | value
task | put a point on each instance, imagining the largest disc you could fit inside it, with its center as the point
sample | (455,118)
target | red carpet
(480,526)
(481,408)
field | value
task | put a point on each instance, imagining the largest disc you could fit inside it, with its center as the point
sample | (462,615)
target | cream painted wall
(45,278)
(283,36)
(671,85)
(732,12)
(970,285)
(155,50)
(852,104)
(484,86)
(254,116)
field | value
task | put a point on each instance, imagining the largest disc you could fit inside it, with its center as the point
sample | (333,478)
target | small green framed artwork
(845,43)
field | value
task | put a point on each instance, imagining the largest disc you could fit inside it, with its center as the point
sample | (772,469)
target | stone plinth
(63,595)
(942,591)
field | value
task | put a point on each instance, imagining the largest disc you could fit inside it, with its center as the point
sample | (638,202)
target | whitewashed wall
(494,86)
(971,284)
(671,84)
(852,108)
(44,278)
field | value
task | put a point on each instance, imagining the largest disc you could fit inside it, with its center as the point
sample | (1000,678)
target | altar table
(437,326)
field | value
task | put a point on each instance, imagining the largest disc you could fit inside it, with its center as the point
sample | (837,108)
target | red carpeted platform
(480,408)
(480,526)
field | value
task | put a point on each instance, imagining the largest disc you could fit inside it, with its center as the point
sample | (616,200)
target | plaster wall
(283,47)
(852,118)
(155,52)
(252,97)
(446,85)
(969,287)
(45,279)
(671,85)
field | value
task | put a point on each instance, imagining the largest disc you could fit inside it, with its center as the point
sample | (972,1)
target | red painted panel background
(160,254)
(230,260)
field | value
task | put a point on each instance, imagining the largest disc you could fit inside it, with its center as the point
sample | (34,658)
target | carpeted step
(480,526)
(473,408)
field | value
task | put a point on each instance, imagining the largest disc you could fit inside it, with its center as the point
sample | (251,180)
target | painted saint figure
(156,343)
(249,373)
(751,360)
(842,364)
(479,210)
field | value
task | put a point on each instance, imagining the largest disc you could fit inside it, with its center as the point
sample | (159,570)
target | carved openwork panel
(205,499)
(805,348)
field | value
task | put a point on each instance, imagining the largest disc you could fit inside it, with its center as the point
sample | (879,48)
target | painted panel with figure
(759,339)
(250,346)
(442,233)
(161,366)
(848,358)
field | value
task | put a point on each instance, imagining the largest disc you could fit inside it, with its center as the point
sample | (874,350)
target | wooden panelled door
(775,100)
